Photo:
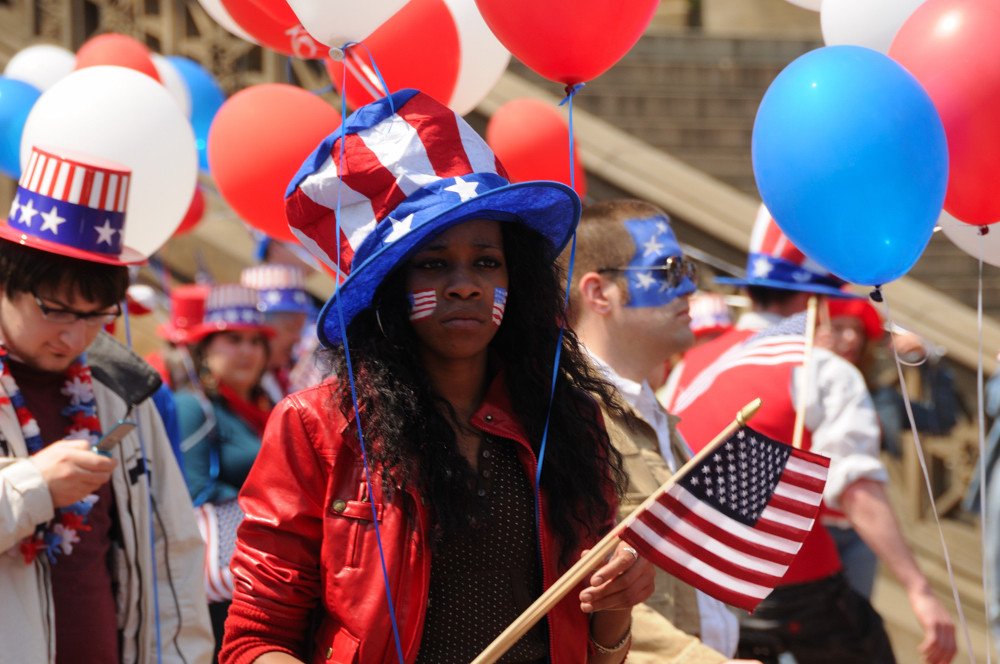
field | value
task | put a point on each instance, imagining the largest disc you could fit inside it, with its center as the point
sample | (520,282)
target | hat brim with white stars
(128,256)
(550,208)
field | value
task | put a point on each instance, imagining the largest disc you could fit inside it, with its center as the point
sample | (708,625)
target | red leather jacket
(307,543)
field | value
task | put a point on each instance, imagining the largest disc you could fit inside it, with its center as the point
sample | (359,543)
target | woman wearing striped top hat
(222,419)
(393,513)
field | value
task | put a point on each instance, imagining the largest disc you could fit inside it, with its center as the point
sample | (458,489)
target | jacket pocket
(358,513)
(335,645)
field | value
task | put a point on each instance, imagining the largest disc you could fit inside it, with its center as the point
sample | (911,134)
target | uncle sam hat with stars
(411,168)
(74,205)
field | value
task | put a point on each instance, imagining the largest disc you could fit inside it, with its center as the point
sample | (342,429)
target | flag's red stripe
(814,484)
(762,526)
(794,506)
(722,593)
(811,457)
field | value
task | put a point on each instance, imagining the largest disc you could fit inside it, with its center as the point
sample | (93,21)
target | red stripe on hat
(318,223)
(777,244)
(56,165)
(88,184)
(439,134)
(122,204)
(69,181)
(366,175)
(102,202)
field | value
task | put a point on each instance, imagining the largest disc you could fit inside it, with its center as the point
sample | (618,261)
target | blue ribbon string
(350,368)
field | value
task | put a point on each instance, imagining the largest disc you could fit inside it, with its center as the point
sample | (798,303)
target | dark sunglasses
(673,270)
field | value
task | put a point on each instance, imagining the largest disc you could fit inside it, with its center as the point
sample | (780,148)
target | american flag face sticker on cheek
(499,304)
(422,304)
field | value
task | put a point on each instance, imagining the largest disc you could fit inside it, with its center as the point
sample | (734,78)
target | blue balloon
(206,98)
(851,160)
(16,100)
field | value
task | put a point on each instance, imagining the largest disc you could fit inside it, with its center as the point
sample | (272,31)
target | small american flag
(422,304)
(499,304)
(731,524)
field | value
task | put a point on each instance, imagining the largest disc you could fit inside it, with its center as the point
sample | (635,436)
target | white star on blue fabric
(652,247)
(51,221)
(272,297)
(106,232)
(14,209)
(28,213)
(399,228)
(801,276)
(465,190)
(762,266)
(248,316)
(644,280)
(661,226)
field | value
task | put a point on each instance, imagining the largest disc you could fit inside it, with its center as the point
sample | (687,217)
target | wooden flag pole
(800,407)
(601,550)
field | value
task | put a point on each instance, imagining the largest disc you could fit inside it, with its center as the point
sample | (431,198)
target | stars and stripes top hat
(709,314)
(775,262)
(230,307)
(187,309)
(73,205)
(411,169)
(279,287)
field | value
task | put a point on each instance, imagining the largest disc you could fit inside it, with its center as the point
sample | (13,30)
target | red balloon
(531,140)
(117,50)
(568,41)
(951,46)
(274,25)
(429,63)
(194,214)
(257,142)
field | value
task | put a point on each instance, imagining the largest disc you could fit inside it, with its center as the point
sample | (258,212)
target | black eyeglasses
(67,316)
(672,271)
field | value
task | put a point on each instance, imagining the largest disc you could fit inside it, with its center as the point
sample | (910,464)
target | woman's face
(457,287)
(237,358)
(846,336)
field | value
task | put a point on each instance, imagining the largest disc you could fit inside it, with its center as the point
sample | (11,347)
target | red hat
(863,310)
(230,307)
(73,205)
(187,308)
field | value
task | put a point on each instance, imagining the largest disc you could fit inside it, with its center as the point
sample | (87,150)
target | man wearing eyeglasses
(629,307)
(101,557)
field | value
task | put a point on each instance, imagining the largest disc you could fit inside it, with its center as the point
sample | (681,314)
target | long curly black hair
(416,445)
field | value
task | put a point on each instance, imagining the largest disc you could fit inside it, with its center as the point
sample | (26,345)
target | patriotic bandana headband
(60,534)
(411,168)
(73,205)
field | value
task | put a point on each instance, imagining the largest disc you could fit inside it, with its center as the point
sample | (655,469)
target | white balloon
(967,237)
(219,14)
(338,22)
(40,65)
(483,59)
(811,5)
(123,115)
(173,82)
(868,23)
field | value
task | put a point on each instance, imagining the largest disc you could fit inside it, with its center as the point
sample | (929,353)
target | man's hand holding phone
(71,470)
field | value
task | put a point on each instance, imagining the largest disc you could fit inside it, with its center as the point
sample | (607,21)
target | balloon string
(923,467)
(981,412)
(350,378)
(289,75)
(375,69)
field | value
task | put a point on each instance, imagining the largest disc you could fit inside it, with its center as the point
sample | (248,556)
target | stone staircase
(695,97)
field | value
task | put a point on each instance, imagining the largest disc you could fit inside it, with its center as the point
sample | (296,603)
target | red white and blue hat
(411,169)
(279,287)
(709,313)
(230,307)
(774,262)
(73,205)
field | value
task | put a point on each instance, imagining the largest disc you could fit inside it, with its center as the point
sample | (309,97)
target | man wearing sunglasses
(629,307)
(78,530)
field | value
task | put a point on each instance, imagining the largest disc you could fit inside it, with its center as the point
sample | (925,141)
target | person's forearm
(611,630)
(867,506)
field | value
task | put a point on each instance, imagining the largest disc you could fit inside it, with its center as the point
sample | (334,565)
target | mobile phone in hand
(113,437)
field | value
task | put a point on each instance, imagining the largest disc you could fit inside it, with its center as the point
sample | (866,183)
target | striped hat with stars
(280,288)
(400,171)
(774,262)
(230,307)
(73,205)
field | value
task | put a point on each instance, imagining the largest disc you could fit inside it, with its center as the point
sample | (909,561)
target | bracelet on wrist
(618,647)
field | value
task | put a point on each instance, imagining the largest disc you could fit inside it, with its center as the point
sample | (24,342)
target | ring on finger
(635,554)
